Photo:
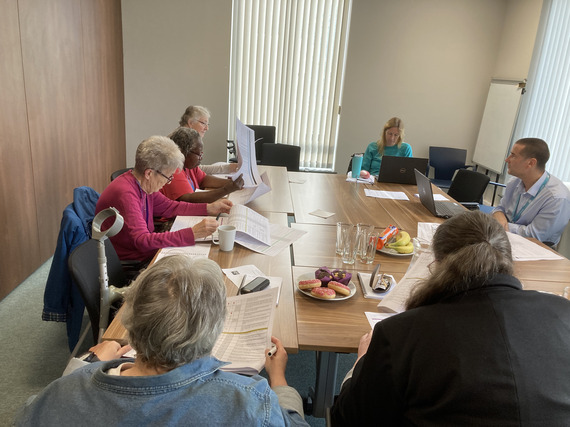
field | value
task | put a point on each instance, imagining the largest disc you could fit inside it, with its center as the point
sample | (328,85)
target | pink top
(137,240)
(184,182)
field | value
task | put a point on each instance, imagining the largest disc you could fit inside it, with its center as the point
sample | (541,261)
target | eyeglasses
(198,154)
(205,124)
(168,179)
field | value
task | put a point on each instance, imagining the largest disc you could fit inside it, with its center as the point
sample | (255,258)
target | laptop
(400,170)
(437,208)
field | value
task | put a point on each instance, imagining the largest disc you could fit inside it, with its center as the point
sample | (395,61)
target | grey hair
(158,153)
(186,139)
(193,113)
(469,249)
(175,311)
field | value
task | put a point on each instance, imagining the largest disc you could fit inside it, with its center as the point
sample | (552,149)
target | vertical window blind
(287,58)
(545,111)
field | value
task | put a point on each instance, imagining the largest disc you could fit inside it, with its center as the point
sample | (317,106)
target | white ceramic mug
(226,237)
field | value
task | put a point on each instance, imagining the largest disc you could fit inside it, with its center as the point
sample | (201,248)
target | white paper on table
(426,230)
(369,180)
(281,238)
(374,318)
(196,251)
(436,197)
(526,250)
(247,331)
(235,274)
(322,214)
(296,180)
(380,194)
(181,222)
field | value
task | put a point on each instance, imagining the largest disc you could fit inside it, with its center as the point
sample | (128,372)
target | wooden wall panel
(61,119)
(103,47)
(55,95)
(19,252)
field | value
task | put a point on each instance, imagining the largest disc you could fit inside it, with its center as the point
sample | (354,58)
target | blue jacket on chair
(62,301)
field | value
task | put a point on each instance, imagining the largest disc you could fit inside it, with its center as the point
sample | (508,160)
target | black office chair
(119,172)
(263,135)
(445,161)
(468,187)
(83,266)
(281,155)
(349,169)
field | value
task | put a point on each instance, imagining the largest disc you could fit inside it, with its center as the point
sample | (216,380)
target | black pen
(218,216)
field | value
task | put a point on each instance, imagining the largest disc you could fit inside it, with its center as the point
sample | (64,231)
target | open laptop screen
(400,170)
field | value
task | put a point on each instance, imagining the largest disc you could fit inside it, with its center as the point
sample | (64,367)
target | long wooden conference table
(333,327)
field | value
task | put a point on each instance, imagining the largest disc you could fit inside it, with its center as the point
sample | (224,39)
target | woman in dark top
(472,348)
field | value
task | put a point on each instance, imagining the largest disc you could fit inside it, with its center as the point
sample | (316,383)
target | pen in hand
(272,351)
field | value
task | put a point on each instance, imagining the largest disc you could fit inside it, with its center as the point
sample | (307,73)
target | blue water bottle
(356,165)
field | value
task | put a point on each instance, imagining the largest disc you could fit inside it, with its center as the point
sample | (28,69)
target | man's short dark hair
(535,148)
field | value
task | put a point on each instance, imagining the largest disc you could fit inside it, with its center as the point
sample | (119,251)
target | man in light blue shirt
(536,203)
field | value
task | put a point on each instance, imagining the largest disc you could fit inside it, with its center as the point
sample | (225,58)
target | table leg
(323,396)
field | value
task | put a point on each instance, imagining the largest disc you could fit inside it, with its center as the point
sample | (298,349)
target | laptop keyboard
(446,209)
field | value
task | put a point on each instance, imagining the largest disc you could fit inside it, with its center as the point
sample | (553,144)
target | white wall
(429,62)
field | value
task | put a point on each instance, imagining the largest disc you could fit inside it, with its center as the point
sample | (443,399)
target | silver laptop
(437,208)
(400,170)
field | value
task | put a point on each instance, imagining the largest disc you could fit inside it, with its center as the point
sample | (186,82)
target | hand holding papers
(254,184)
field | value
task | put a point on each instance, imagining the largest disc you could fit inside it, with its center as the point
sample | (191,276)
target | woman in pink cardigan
(136,196)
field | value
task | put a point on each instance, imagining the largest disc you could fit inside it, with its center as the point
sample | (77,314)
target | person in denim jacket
(174,313)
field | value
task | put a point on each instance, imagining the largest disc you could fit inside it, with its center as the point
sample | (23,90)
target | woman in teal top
(389,144)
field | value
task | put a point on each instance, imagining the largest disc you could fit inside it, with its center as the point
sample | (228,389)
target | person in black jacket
(472,348)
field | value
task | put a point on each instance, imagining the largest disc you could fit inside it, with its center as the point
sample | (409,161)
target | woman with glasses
(136,196)
(472,347)
(198,118)
(191,178)
(390,144)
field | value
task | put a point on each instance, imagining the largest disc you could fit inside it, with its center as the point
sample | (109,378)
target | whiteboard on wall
(497,125)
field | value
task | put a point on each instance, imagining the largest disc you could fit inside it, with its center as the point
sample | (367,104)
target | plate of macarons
(329,291)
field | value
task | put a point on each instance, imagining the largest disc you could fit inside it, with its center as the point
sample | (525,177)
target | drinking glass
(340,226)
(349,245)
(369,248)
(362,233)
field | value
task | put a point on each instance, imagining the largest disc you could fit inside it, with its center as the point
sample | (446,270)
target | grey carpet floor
(33,352)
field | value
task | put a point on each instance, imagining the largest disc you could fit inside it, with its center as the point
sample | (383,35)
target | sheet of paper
(526,250)
(426,230)
(247,331)
(281,238)
(369,180)
(374,318)
(248,194)
(235,274)
(322,214)
(392,195)
(436,197)
(182,222)
(296,180)
(197,251)
(395,302)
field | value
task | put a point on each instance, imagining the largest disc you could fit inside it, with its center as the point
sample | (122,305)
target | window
(545,111)
(287,58)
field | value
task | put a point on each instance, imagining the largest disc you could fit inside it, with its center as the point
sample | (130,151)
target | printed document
(247,332)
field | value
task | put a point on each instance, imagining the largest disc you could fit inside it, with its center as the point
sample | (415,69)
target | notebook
(400,170)
(437,208)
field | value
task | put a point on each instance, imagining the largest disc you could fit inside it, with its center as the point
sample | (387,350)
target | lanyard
(517,214)
(189,178)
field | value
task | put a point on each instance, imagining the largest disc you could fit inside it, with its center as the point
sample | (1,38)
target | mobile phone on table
(257,284)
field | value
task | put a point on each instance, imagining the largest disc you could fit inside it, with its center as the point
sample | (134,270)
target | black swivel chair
(84,269)
(263,135)
(281,155)
(445,161)
(468,187)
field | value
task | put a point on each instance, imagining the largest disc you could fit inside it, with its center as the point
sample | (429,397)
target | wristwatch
(89,357)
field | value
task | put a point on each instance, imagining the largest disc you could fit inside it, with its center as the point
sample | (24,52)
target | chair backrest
(263,135)
(446,161)
(468,186)
(281,155)
(119,173)
(83,266)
